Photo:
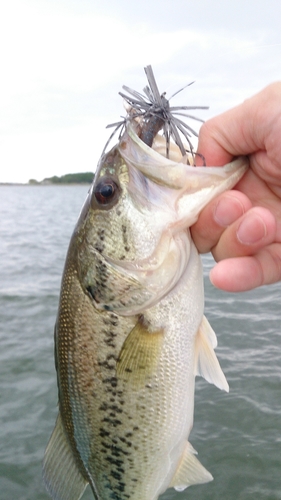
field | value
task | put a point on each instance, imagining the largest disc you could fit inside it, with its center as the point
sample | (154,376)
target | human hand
(242,227)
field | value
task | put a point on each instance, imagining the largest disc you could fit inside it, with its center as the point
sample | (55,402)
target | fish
(130,334)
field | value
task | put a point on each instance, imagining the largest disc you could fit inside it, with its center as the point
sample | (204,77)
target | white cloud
(58,69)
(77,52)
(39,155)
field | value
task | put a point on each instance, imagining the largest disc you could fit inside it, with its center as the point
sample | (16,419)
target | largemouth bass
(131,335)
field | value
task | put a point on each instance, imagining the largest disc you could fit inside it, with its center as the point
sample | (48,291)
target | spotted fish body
(130,333)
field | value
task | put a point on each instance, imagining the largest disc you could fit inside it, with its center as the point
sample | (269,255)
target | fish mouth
(183,188)
(173,174)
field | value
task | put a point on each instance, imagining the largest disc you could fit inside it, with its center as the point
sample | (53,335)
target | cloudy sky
(63,62)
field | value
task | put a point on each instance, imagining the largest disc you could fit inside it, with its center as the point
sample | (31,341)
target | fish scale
(105,406)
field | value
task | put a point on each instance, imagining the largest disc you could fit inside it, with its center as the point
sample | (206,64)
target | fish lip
(164,171)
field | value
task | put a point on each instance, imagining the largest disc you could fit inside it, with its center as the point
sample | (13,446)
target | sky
(63,62)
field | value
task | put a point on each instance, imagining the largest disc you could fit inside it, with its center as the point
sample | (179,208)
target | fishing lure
(156,114)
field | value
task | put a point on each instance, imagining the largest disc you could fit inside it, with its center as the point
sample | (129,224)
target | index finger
(242,130)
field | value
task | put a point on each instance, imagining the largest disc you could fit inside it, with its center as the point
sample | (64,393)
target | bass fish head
(116,243)
(131,238)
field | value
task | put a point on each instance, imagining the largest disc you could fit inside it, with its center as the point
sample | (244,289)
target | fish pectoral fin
(206,361)
(190,471)
(61,475)
(138,358)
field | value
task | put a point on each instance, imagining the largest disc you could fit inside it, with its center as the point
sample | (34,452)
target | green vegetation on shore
(81,177)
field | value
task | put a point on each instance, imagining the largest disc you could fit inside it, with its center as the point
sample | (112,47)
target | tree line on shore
(79,178)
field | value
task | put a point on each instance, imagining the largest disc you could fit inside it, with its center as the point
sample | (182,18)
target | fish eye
(106,190)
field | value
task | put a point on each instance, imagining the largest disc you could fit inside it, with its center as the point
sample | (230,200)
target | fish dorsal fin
(206,362)
(140,353)
(190,471)
(61,475)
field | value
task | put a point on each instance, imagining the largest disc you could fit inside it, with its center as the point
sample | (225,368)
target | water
(237,435)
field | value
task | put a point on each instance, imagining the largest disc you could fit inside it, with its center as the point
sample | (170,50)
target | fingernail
(251,230)
(227,211)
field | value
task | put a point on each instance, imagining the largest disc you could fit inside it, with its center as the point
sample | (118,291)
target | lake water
(237,435)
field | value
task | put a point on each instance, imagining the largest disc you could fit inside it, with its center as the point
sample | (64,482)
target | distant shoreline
(41,184)
(65,180)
